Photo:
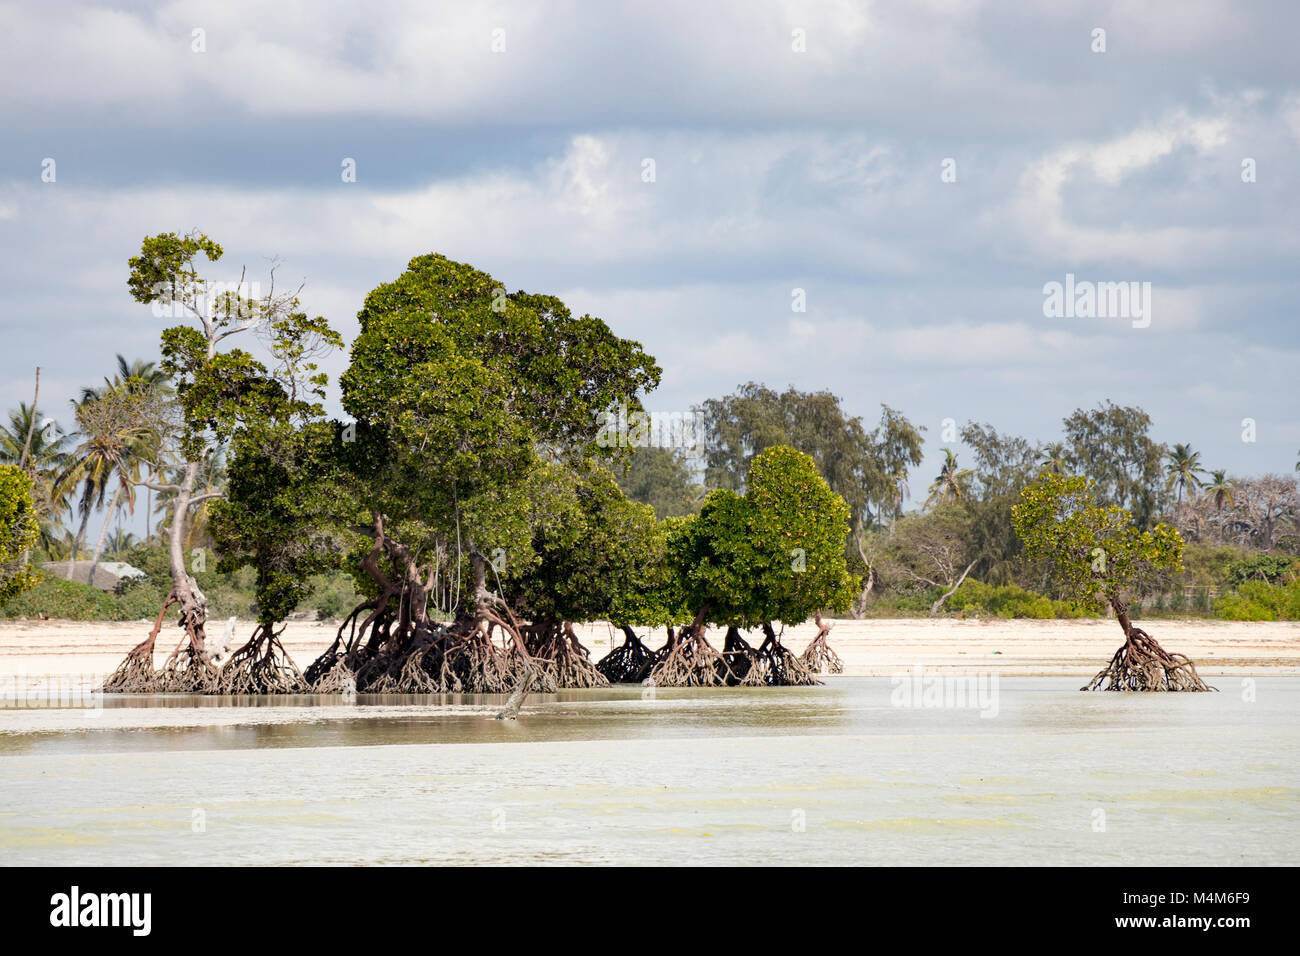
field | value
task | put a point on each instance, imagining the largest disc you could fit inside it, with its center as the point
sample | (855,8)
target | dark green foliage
(1270,568)
(1109,445)
(19,532)
(774,554)
(868,469)
(598,556)
(282,511)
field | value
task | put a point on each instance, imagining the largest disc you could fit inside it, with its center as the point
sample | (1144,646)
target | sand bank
(872,647)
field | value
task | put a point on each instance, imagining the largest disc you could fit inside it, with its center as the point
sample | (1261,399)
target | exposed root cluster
(689,660)
(259,667)
(562,658)
(1141,664)
(629,663)
(818,655)
(378,650)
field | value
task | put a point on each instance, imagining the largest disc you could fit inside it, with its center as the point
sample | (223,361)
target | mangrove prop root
(1141,664)
(562,658)
(187,670)
(691,661)
(339,679)
(135,675)
(262,666)
(774,665)
(629,662)
(771,664)
(351,652)
(818,655)
(781,668)
(742,660)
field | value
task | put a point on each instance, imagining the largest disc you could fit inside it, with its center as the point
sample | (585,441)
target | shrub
(1270,568)
(1261,601)
(1008,601)
(74,601)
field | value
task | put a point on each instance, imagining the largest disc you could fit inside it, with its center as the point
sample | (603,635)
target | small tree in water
(775,553)
(1096,556)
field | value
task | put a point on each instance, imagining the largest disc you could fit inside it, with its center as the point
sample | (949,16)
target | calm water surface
(835,774)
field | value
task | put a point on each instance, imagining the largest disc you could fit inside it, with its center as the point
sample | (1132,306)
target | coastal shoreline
(873,647)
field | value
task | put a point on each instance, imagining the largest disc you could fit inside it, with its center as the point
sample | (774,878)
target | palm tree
(119,542)
(1221,488)
(1056,454)
(146,376)
(951,482)
(114,447)
(47,455)
(1184,469)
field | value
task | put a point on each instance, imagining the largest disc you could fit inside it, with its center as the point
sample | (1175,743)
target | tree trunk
(103,533)
(869,579)
(938,605)
(483,598)
(193,603)
(77,543)
(1121,615)
(27,446)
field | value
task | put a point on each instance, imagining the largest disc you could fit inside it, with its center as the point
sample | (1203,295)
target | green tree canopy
(775,553)
(1110,445)
(1093,553)
(19,531)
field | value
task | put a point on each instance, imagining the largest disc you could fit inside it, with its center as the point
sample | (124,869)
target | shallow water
(1039,773)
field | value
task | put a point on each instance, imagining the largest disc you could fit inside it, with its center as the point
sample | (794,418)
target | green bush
(1270,568)
(229,595)
(332,595)
(74,601)
(1007,601)
(1261,601)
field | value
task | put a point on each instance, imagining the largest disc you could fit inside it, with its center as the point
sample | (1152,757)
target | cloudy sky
(794,146)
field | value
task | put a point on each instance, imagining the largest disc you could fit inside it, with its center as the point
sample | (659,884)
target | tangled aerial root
(339,679)
(562,659)
(477,664)
(781,668)
(187,670)
(1141,664)
(486,652)
(481,654)
(262,666)
(742,659)
(770,664)
(135,675)
(818,656)
(690,660)
(629,662)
